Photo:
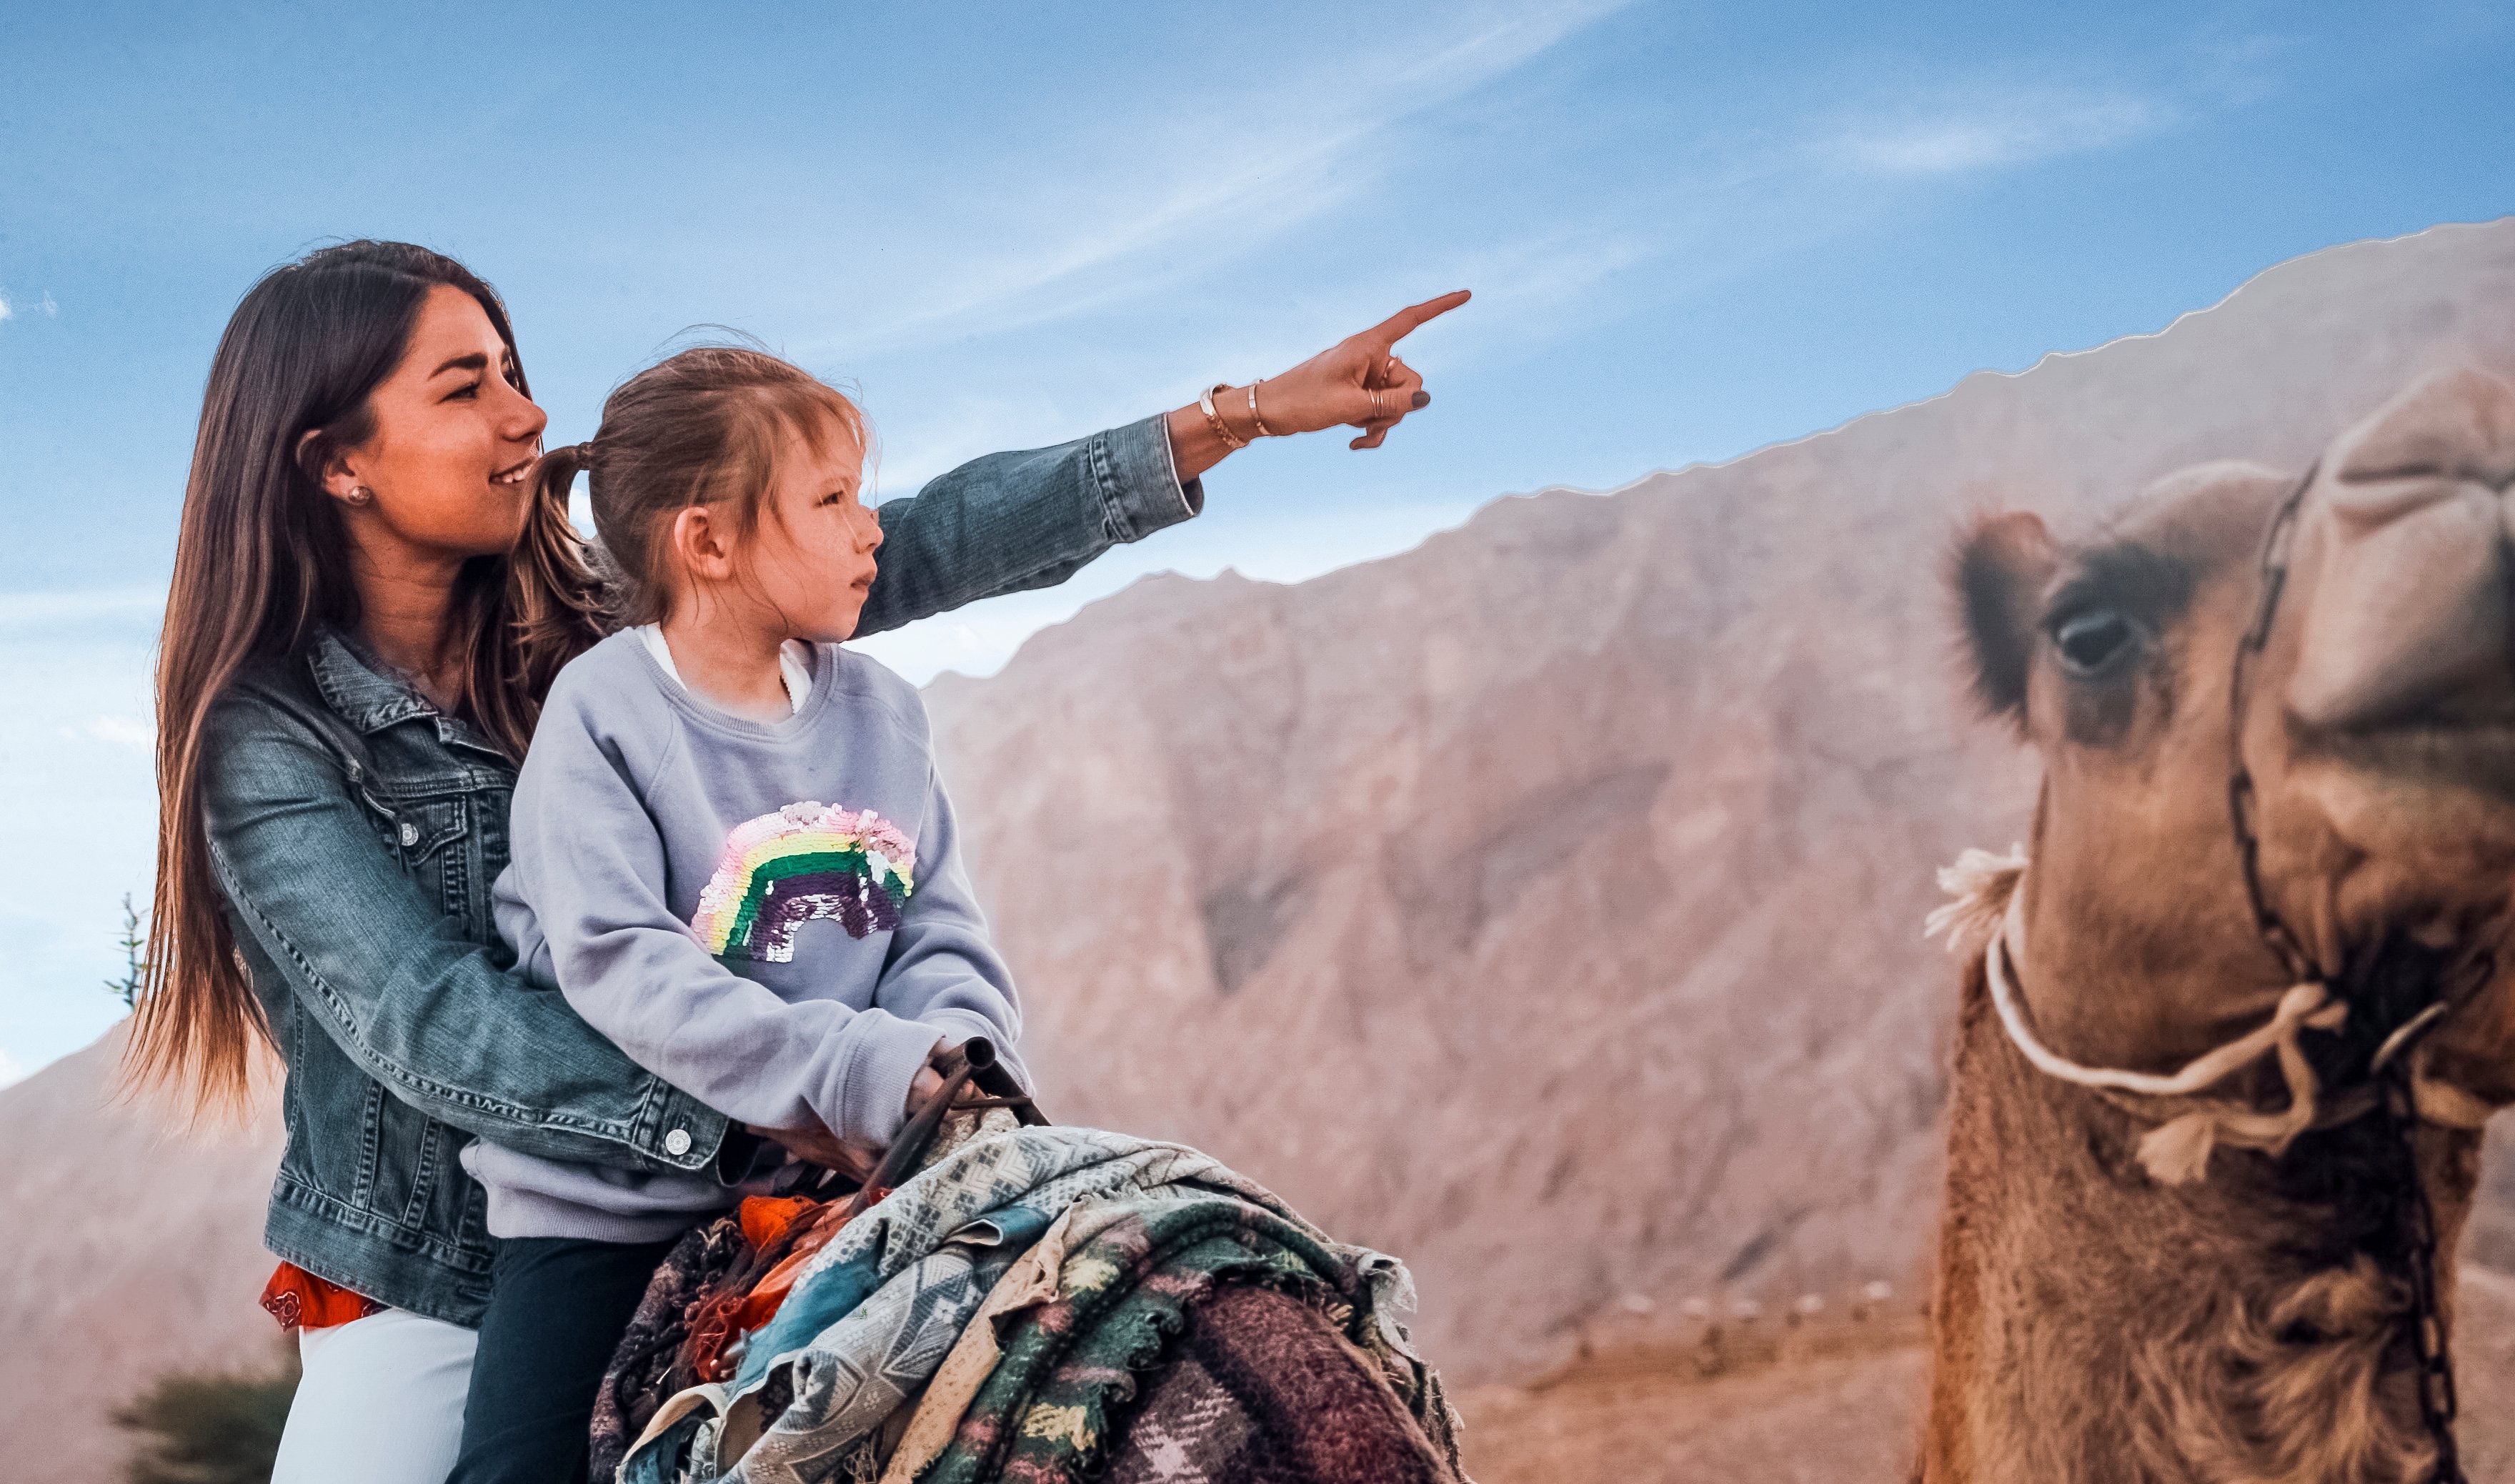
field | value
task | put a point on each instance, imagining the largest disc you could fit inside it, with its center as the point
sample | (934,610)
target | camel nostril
(2412,619)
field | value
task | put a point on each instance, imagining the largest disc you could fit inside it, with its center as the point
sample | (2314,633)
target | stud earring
(359,494)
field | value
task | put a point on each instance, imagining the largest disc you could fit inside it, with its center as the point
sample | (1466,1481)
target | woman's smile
(389,542)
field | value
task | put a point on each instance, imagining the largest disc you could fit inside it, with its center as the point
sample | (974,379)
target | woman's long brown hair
(261,565)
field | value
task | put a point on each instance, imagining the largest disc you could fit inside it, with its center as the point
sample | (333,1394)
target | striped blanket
(1149,1231)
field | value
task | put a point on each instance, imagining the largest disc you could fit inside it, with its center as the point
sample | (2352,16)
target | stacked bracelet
(1204,403)
(1254,420)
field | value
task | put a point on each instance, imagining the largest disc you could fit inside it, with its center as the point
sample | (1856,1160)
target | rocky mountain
(1542,904)
(134,1250)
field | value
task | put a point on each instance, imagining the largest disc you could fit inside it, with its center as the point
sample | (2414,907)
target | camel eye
(2091,640)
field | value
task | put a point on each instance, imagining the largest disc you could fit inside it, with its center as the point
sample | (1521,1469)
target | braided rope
(1987,901)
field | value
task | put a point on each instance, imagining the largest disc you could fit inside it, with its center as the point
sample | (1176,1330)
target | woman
(364,616)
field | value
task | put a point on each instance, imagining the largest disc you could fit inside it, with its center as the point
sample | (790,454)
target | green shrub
(208,1426)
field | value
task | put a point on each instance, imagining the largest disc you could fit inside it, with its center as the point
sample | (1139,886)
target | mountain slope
(1541,905)
(1544,903)
(134,1251)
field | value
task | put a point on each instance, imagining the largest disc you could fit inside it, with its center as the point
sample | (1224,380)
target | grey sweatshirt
(771,917)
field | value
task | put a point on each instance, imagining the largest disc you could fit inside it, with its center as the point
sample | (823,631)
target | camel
(2139,1279)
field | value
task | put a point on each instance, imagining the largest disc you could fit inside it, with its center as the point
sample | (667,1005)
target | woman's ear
(2000,569)
(328,466)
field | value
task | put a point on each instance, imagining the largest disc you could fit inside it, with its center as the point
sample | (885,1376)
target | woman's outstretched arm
(1013,521)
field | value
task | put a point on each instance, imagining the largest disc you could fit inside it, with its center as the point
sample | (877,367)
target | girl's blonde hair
(702,428)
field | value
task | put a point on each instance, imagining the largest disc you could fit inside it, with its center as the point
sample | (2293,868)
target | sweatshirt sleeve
(589,869)
(942,968)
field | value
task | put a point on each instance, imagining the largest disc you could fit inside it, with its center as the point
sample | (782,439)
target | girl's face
(453,440)
(811,557)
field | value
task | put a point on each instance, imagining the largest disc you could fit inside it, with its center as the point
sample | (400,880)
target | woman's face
(453,441)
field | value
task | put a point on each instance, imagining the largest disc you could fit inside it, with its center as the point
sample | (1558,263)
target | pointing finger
(1407,321)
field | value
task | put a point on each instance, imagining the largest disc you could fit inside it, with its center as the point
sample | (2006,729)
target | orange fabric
(300,1300)
(766,1218)
(807,1226)
(767,1294)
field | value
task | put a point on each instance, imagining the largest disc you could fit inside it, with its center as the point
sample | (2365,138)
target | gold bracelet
(1263,431)
(1222,430)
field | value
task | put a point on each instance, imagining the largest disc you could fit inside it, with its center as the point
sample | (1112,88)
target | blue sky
(1692,229)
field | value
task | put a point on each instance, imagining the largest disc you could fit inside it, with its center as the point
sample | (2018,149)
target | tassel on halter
(1979,887)
(1986,906)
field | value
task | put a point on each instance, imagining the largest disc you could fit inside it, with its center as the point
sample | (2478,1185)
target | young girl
(730,853)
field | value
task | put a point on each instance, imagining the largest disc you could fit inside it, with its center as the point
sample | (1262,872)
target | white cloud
(78,606)
(81,838)
(1527,287)
(1960,137)
(9,1070)
(123,731)
(1223,189)
(45,307)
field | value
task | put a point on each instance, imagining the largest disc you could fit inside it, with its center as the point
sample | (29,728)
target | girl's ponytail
(700,428)
(555,606)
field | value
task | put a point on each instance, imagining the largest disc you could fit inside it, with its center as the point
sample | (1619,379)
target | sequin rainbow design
(807,861)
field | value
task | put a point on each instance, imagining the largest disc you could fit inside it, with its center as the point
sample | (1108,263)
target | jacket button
(677,1142)
(409,834)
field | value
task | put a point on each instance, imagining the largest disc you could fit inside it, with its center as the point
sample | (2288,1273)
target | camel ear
(2000,569)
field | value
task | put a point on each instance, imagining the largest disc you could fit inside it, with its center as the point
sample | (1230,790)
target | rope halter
(1987,900)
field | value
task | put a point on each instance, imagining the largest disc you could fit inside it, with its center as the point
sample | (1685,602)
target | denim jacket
(356,831)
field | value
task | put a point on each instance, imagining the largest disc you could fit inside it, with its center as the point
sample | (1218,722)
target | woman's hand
(1358,382)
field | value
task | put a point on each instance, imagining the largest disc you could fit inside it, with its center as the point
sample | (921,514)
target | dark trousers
(558,1307)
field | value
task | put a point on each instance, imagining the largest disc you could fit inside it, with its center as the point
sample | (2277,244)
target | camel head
(2242,1314)
(2377,726)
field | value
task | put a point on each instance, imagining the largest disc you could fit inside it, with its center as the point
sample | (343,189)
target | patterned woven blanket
(876,1311)
(1260,1391)
(634,1385)
(1256,1346)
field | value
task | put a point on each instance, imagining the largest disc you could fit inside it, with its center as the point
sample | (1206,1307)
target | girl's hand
(1358,382)
(923,1086)
(853,1158)
(817,1145)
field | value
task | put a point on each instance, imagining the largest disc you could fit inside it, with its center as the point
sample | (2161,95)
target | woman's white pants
(381,1402)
